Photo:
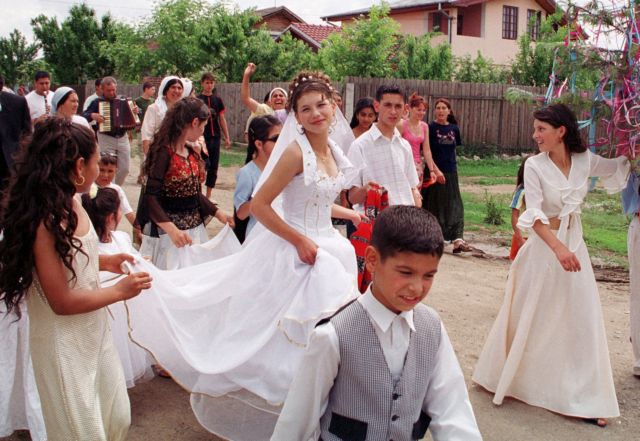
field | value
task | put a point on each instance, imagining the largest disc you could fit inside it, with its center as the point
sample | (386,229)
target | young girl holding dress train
(103,205)
(548,345)
(49,255)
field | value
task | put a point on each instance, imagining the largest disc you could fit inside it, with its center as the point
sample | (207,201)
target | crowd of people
(270,329)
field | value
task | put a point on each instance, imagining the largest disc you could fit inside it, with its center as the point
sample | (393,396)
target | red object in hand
(376,201)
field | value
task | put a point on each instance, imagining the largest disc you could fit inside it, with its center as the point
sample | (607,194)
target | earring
(333,125)
(300,128)
(78,184)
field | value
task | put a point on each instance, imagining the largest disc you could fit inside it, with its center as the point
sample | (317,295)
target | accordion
(118,114)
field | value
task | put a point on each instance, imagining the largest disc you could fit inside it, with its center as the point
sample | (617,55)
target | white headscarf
(57,96)
(187,87)
(161,102)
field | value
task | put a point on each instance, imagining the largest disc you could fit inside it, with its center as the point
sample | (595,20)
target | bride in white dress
(548,345)
(238,326)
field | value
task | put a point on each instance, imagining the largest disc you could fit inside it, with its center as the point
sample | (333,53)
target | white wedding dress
(237,327)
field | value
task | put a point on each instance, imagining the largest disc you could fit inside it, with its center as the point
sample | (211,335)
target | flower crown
(309,78)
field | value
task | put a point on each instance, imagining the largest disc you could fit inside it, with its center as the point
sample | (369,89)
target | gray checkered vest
(364,403)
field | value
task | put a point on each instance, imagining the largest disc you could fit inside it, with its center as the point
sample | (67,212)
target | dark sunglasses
(273,139)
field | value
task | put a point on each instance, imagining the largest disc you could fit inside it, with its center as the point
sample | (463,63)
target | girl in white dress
(548,345)
(103,207)
(238,326)
(49,256)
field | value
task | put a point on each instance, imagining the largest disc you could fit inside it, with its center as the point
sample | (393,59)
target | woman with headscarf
(65,104)
(170,91)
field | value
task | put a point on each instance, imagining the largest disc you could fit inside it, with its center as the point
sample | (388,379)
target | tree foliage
(479,70)
(418,59)
(73,48)
(366,48)
(17,58)
(185,37)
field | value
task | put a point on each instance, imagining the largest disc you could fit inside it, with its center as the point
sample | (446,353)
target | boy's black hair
(389,89)
(41,74)
(147,85)
(404,228)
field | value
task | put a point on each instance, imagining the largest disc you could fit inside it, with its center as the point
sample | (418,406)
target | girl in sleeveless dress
(237,327)
(416,132)
(49,255)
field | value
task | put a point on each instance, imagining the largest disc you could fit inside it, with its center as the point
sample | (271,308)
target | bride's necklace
(324,158)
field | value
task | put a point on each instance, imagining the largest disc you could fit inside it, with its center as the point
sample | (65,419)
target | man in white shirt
(38,99)
(97,94)
(383,156)
(384,367)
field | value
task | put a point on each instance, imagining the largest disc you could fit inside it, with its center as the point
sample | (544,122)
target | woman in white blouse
(548,345)
(171,89)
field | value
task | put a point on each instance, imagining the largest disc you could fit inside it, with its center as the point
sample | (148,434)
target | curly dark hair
(100,207)
(177,117)
(558,115)
(308,81)
(41,192)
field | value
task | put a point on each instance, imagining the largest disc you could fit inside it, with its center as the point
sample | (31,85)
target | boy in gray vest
(383,368)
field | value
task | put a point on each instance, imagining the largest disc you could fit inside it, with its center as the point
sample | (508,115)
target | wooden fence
(484,115)
(486,118)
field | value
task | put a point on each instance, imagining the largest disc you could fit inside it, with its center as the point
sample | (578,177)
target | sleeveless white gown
(238,326)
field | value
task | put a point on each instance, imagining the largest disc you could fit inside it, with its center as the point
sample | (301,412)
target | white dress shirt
(36,104)
(446,402)
(389,162)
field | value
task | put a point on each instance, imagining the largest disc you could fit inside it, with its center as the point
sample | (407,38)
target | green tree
(73,49)
(366,48)
(17,57)
(173,33)
(418,59)
(479,70)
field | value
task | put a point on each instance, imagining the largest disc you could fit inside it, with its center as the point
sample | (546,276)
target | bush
(493,216)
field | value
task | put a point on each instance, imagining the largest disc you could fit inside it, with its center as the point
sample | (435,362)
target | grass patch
(233,157)
(604,225)
(489,168)
(488,181)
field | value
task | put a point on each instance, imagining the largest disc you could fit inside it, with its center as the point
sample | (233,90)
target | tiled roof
(278,9)
(318,33)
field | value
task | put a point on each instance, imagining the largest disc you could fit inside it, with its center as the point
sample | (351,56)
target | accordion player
(118,115)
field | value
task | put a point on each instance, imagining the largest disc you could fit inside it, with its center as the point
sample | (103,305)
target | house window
(436,22)
(509,22)
(533,22)
(460,26)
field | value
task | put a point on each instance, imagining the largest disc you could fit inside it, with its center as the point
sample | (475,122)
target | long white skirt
(19,400)
(163,252)
(548,345)
(239,325)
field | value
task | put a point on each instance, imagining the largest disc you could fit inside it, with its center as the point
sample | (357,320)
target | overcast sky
(132,10)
